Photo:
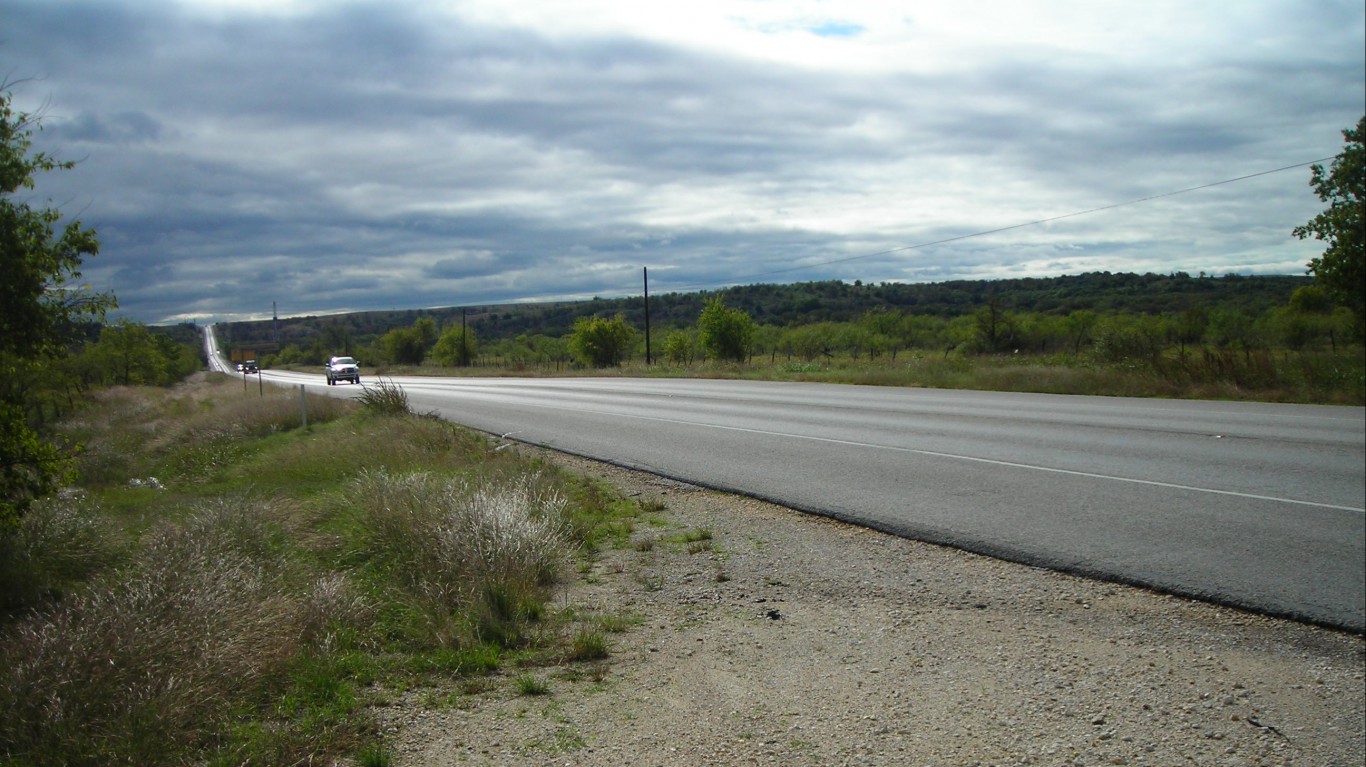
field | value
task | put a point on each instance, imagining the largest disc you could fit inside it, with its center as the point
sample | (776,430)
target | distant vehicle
(342,369)
(241,367)
(250,366)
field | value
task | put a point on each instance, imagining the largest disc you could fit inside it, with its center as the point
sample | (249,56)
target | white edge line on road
(1031,467)
(954,456)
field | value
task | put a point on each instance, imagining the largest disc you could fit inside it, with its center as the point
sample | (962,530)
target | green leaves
(1342,267)
(39,307)
(29,467)
(725,333)
(599,342)
(37,304)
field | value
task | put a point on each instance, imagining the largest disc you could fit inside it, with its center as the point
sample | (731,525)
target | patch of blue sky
(837,29)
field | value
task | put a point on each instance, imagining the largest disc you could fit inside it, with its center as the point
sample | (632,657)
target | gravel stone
(796,640)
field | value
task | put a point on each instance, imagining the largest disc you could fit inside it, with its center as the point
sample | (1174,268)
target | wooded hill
(811,302)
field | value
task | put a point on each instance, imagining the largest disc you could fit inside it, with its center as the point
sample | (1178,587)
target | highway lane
(1253,505)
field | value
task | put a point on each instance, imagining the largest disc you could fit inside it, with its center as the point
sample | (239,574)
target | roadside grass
(1196,373)
(530,684)
(384,398)
(252,602)
(1271,376)
(587,644)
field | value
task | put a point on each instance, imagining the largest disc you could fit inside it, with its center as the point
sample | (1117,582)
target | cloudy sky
(346,155)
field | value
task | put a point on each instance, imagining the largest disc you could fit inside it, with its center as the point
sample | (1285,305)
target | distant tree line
(795,304)
(1150,318)
(1242,313)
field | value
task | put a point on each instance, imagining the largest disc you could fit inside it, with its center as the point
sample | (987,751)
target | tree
(599,342)
(877,330)
(811,341)
(456,347)
(132,357)
(1129,337)
(1189,326)
(425,330)
(41,305)
(725,334)
(680,347)
(1307,318)
(1079,324)
(131,354)
(409,346)
(1342,267)
(995,326)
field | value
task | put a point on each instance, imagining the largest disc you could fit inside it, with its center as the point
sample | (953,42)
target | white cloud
(359,154)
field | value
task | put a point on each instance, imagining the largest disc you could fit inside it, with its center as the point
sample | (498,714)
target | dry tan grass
(158,653)
(58,543)
(489,546)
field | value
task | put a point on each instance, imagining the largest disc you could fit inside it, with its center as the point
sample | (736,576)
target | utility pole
(647,315)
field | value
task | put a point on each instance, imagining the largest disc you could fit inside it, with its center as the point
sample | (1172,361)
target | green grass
(530,684)
(617,624)
(384,398)
(588,644)
(376,755)
(1201,373)
(277,580)
(695,535)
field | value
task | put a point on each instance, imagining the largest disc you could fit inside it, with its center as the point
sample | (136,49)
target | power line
(1018,226)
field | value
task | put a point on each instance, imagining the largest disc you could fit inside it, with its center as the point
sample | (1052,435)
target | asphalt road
(1257,506)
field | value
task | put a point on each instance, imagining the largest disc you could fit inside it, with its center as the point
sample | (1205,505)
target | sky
(349,155)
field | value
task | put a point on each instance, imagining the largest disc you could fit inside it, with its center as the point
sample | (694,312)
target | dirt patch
(786,639)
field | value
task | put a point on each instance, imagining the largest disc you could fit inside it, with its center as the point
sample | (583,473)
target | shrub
(588,644)
(599,342)
(385,398)
(488,548)
(60,542)
(528,684)
(148,664)
(725,334)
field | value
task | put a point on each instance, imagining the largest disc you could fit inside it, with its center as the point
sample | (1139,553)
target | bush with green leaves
(599,342)
(725,334)
(680,347)
(40,304)
(1341,268)
(456,347)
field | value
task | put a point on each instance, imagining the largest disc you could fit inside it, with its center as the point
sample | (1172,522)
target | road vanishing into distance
(1253,505)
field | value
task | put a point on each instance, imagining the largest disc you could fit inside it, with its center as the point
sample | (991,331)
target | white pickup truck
(342,369)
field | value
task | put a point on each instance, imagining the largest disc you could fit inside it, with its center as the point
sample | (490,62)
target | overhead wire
(998,230)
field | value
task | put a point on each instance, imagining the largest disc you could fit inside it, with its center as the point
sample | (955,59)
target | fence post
(303,405)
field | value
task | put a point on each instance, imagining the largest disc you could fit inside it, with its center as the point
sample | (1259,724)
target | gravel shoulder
(789,639)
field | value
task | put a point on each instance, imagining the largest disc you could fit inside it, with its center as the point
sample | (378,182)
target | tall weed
(190,621)
(385,398)
(488,548)
(59,543)
(198,426)
(150,662)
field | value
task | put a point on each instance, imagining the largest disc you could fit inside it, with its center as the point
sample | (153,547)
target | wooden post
(647,314)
